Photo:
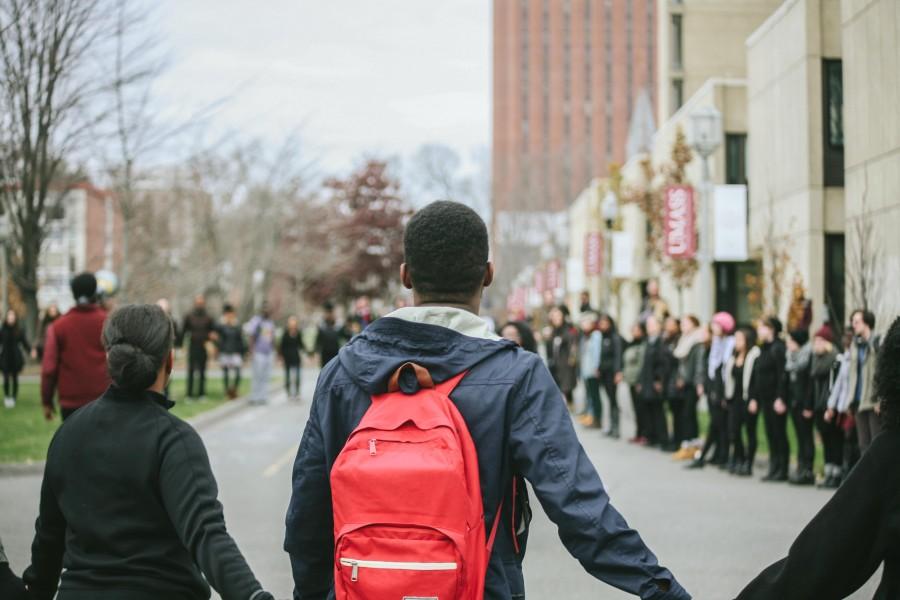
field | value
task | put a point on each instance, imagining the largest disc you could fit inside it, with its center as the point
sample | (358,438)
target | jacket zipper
(356,564)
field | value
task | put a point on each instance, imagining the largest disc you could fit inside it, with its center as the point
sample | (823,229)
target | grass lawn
(25,435)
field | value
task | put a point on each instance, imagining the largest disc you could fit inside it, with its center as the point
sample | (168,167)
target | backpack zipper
(355,565)
(372,450)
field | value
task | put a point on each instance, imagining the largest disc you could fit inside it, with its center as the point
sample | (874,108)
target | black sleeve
(49,545)
(24,341)
(185,330)
(779,356)
(618,354)
(846,541)
(190,495)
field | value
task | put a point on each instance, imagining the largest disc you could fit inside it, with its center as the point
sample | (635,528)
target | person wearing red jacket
(74,362)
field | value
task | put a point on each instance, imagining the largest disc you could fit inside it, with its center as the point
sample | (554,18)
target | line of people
(744,374)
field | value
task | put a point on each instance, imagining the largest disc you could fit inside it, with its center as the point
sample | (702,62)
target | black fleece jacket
(129,508)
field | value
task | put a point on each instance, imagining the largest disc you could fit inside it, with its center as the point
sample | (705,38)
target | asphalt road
(713,531)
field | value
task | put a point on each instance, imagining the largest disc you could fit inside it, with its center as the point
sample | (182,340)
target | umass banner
(680,229)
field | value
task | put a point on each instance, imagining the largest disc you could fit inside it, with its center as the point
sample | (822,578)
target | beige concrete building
(700,40)
(871,71)
(795,153)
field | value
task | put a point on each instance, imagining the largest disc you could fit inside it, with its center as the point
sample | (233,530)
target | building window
(834,277)
(735,289)
(677,41)
(736,158)
(677,94)
(833,126)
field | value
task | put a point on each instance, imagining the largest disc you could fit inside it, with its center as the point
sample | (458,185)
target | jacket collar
(114,392)
(457,319)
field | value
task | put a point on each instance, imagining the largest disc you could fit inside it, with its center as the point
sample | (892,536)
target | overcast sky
(356,76)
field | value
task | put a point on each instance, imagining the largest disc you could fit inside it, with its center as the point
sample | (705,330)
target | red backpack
(408,512)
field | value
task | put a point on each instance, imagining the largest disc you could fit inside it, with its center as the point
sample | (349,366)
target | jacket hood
(371,357)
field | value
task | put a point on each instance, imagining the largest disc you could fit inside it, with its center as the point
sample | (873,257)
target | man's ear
(405,277)
(489,274)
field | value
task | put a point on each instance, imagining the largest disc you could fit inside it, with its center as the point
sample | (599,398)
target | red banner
(553,281)
(540,281)
(680,232)
(593,253)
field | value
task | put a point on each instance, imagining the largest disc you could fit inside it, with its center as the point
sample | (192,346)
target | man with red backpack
(409,480)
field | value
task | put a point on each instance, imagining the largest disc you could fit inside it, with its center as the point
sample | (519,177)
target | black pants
(657,427)
(196,365)
(717,434)
(235,381)
(741,421)
(608,381)
(640,418)
(592,394)
(690,429)
(806,441)
(676,408)
(832,439)
(292,380)
(11,384)
(776,433)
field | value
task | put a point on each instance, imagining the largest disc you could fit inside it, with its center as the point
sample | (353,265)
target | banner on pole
(593,253)
(622,254)
(730,223)
(553,275)
(680,229)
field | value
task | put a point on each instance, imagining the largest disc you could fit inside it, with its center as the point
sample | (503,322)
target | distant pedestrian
(632,364)
(839,412)
(585,302)
(770,395)
(561,344)
(74,358)
(590,343)
(129,506)
(823,372)
(14,348)
(51,314)
(798,387)
(290,348)
(674,401)
(740,387)
(611,357)
(858,530)
(690,352)
(520,333)
(198,327)
(261,331)
(329,337)
(713,387)
(651,385)
(863,357)
(653,304)
(230,342)
(11,587)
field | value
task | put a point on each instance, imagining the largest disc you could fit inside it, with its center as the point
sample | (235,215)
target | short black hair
(446,250)
(868,316)
(887,377)
(84,287)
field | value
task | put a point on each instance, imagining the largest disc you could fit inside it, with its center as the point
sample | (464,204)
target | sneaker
(586,420)
(9,402)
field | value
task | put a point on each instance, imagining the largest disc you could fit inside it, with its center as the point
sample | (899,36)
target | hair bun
(130,367)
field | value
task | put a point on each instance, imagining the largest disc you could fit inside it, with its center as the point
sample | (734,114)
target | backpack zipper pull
(354,571)
(372,450)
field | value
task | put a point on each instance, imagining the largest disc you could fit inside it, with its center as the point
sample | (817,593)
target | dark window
(833,126)
(834,277)
(736,158)
(677,94)
(738,290)
(676,42)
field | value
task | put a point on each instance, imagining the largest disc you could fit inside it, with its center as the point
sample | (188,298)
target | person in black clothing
(739,375)
(859,529)
(769,397)
(154,527)
(232,348)
(797,386)
(611,355)
(720,349)
(652,384)
(330,337)
(11,587)
(633,361)
(13,350)
(823,372)
(690,352)
(520,333)
(561,345)
(673,395)
(289,349)
(198,326)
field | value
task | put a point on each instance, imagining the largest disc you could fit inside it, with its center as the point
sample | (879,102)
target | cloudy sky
(356,77)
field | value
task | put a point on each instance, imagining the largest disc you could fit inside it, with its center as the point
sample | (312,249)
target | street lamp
(706,137)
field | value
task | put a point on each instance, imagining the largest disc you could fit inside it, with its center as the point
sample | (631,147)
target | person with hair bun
(859,529)
(129,506)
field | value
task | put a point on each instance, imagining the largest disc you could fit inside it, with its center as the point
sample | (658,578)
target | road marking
(279,464)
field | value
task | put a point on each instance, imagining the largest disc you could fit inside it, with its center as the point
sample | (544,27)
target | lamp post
(610,210)
(706,137)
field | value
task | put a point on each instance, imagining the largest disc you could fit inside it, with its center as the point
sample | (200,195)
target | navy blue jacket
(520,426)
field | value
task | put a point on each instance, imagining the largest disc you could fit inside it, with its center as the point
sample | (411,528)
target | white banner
(622,254)
(574,275)
(730,223)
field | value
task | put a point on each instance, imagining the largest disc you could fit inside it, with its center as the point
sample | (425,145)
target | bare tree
(866,258)
(46,110)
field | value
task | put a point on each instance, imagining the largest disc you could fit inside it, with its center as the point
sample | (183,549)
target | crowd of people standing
(669,367)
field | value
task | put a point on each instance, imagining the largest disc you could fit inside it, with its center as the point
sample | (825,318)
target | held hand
(829,415)
(48,412)
(619,378)
(638,388)
(34,353)
(658,387)
(878,408)
(700,390)
(679,383)
(807,414)
(753,407)
(780,406)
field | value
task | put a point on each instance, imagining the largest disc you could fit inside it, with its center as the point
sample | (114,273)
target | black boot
(803,476)
(746,469)
(697,463)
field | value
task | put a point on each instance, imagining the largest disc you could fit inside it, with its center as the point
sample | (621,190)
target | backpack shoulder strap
(447,387)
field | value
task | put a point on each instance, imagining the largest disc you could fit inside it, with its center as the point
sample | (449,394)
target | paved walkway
(713,531)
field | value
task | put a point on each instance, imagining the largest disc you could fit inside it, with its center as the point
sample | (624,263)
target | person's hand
(638,388)
(780,406)
(878,408)
(753,407)
(34,353)
(807,414)
(700,390)
(619,378)
(48,412)
(679,383)
(658,386)
(829,415)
